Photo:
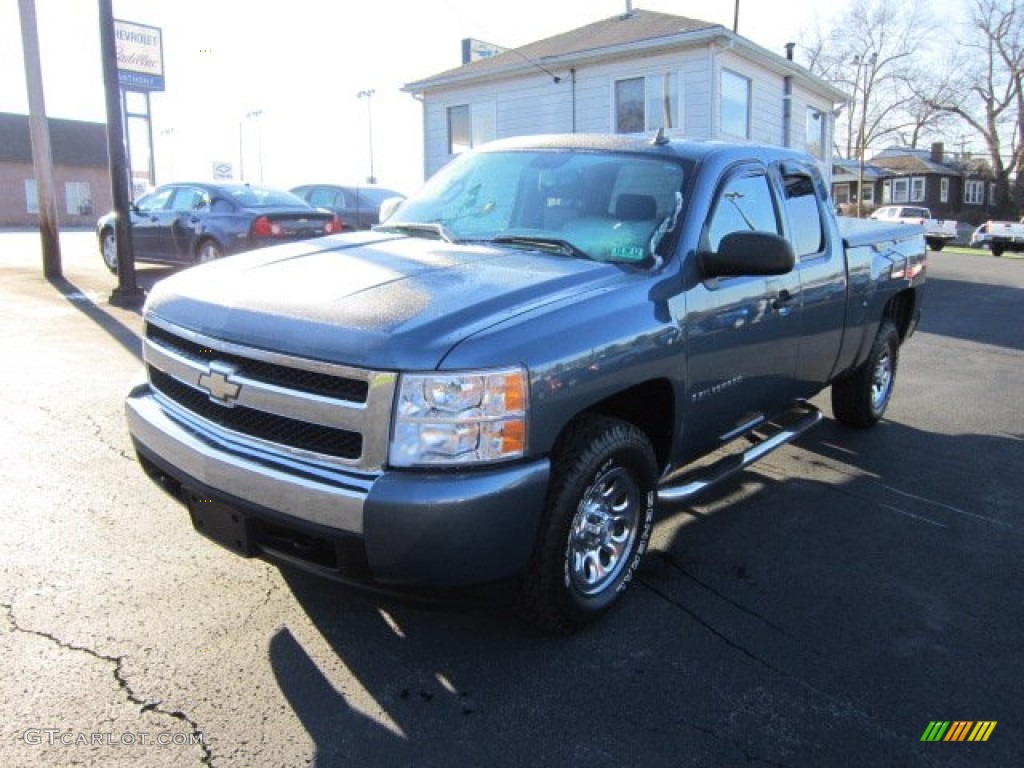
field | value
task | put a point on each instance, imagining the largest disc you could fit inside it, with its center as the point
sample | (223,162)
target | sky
(301,64)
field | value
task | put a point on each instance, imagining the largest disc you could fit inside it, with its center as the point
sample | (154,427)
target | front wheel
(860,400)
(208,250)
(596,524)
(108,249)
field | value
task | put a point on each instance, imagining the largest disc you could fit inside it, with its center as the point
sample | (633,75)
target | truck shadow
(794,596)
(991,304)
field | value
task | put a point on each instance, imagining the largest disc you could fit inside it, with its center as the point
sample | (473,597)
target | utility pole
(127,293)
(42,157)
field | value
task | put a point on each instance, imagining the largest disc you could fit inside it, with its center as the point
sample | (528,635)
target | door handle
(782,301)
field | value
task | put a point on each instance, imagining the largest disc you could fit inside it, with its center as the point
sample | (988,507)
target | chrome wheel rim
(603,531)
(110,250)
(881,381)
(208,252)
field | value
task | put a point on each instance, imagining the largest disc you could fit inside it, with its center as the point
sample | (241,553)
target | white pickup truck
(999,237)
(937,232)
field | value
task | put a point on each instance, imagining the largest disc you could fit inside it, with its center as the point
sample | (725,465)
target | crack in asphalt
(724,597)
(837,701)
(97,433)
(693,615)
(122,681)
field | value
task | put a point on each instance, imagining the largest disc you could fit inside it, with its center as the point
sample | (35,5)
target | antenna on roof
(660,139)
(629,9)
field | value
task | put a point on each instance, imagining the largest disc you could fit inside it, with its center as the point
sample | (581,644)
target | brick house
(80,168)
(959,189)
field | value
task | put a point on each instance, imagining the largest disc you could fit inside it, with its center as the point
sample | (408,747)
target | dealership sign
(140,56)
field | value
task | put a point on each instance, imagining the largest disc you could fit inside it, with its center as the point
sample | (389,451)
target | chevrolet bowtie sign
(218,385)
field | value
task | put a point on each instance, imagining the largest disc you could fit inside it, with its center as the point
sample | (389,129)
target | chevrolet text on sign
(140,57)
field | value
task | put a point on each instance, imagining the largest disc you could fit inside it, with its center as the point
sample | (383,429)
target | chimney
(789,50)
(938,152)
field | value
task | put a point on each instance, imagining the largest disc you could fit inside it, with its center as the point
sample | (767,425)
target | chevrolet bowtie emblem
(217,383)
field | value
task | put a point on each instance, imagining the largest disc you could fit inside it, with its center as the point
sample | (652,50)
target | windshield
(263,197)
(603,206)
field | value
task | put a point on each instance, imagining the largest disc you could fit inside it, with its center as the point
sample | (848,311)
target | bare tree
(871,53)
(988,93)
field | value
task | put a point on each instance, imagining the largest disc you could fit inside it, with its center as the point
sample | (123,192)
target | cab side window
(744,203)
(803,209)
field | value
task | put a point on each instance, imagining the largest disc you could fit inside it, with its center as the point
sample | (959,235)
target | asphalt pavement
(824,608)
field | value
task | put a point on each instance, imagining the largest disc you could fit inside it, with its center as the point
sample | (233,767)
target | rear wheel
(208,250)
(596,524)
(108,249)
(860,399)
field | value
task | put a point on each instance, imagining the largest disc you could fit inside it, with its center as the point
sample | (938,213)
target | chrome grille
(271,402)
(312,382)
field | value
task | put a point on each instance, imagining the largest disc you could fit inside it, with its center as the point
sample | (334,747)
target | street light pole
(368,95)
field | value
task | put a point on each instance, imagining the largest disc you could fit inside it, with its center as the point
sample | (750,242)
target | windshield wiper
(553,244)
(417,229)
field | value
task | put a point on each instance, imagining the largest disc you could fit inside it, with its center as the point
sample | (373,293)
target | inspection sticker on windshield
(628,252)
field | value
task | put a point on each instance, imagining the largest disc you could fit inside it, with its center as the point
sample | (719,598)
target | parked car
(999,237)
(193,222)
(937,232)
(357,207)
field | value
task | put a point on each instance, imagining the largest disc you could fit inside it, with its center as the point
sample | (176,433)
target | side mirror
(749,253)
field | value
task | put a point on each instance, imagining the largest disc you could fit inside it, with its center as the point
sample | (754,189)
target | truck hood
(369,299)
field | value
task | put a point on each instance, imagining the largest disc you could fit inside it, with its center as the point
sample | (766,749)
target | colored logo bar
(958,730)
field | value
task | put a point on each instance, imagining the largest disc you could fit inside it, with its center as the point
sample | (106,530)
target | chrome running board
(685,483)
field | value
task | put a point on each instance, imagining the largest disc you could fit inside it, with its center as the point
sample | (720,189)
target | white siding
(533,103)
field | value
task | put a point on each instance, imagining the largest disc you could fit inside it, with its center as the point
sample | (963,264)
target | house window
(917,189)
(841,193)
(647,103)
(31,196)
(470,125)
(974,192)
(900,190)
(815,133)
(992,195)
(868,194)
(79,198)
(735,104)
(944,190)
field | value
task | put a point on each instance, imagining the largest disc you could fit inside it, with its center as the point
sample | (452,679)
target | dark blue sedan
(190,222)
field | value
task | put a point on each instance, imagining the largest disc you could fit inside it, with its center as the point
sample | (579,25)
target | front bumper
(394,530)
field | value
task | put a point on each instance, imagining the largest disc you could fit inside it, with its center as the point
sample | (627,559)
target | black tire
(998,250)
(936,245)
(208,250)
(596,524)
(108,249)
(860,399)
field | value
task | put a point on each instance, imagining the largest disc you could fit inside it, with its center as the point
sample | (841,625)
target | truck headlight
(458,418)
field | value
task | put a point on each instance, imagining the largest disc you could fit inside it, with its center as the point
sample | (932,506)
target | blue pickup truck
(502,382)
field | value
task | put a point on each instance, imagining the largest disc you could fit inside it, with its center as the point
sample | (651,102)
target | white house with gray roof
(632,73)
